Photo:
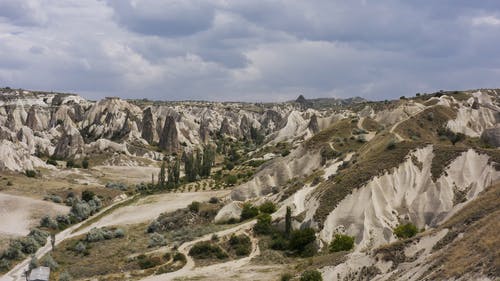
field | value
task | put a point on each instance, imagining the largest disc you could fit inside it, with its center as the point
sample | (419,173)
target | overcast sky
(249,50)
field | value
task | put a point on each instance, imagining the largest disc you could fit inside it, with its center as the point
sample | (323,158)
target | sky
(249,50)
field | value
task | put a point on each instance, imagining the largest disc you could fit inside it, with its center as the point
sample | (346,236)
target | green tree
(300,239)
(208,161)
(267,207)
(162,176)
(288,221)
(263,225)
(249,211)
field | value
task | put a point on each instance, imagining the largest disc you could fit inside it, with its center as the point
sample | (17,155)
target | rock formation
(169,139)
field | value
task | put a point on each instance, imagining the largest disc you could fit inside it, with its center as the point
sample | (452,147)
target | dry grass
(104,257)
(370,124)
(424,126)
(478,251)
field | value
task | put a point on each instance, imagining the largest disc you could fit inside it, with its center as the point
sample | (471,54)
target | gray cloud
(244,50)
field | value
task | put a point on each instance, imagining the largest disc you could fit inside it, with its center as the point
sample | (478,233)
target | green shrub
(285,152)
(146,262)
(299,239)
(194,207)
(231,180)
(179,257)
(87,195)
(279,242)
(85,163)
(156,240)
(48,261)
(119,233)
(341,243)
(267,207)
(249,211)
(52,162)
(311,275)
(406,230)
(207,250)
(263,225)
(241,244)
(48,222)
(80,247)
(30,173)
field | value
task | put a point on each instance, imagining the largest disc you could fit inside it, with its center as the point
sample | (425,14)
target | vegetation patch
(341,243)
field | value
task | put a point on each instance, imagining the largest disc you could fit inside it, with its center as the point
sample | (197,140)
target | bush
(53,198)
(70,163)
(229,166)
(146,262)
(206,250)
(156,240)
(263,225)
(119,233)
(279,242)
(406,230)
(85,163)
(179,257)
(249,211)
(80,247)
(194,207)
(52,162)
(231,180)
(48,261)
(213,200)
(48,222)
(39,236)
(4,264)
(285,152)
(33,263)
(299,239)
(87,195)
(99,234)
(311,275)
(267,207)
(30,173)
(14,251)
(241,244)
(341,243)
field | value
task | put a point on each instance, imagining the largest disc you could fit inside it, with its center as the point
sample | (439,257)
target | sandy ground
(148,208)
(18,214)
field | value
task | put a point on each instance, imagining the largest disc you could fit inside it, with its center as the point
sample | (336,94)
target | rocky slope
(348,167)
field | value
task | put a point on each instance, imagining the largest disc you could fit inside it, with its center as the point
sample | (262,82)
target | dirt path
(190,270)
(393,128)
(148,208)
(145,209)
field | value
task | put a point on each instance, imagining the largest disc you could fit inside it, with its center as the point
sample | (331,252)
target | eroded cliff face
(68,126)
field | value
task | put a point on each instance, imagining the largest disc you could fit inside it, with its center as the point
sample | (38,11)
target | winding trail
(144,209)
(189,268)
(393,128)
